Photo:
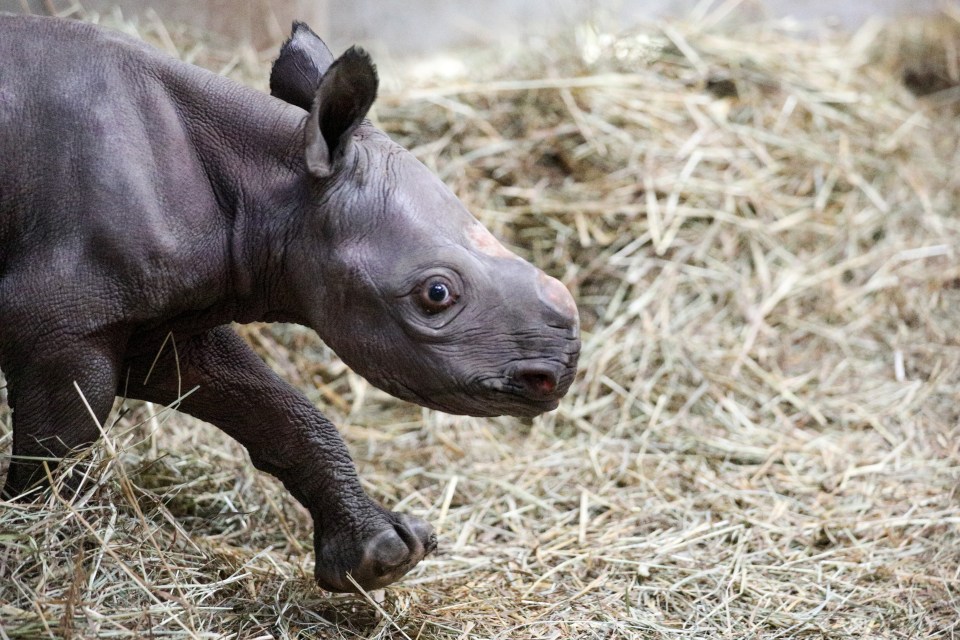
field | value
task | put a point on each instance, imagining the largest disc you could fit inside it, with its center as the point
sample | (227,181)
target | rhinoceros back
(99,166)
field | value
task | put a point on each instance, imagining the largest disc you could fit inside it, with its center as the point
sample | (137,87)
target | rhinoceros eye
(436,295)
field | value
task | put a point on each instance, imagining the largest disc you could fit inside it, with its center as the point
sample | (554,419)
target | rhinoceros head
(395,274)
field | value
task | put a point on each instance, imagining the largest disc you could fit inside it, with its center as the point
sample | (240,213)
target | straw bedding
(761,231)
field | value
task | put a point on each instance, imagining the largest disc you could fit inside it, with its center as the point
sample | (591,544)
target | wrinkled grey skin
(142,197)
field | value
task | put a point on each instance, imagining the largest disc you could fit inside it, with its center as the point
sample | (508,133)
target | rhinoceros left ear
(346,92)
(297,71)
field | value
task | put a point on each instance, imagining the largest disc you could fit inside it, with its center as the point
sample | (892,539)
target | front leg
(289,438)
(55,383)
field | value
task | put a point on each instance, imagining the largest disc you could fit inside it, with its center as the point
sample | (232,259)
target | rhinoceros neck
(251,148)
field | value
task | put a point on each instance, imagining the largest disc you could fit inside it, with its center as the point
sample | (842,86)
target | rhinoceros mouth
(507,401)
(524,388)
(490,398)
(526,393)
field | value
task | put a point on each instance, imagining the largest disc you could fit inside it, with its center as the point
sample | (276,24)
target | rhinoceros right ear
(346,92)
(297,72)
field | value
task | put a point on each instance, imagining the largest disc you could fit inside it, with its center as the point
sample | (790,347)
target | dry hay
(761,231)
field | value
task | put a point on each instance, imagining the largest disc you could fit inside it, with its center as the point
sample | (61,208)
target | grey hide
(142,197)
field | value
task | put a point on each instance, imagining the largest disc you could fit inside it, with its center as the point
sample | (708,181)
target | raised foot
(378,560)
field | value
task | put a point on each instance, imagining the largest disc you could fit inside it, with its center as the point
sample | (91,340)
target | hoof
(381,559)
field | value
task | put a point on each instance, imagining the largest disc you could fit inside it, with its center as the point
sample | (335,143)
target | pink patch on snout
(484,242)
(557,296)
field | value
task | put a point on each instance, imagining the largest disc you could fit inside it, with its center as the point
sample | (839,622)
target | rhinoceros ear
(303,60)
(346,92)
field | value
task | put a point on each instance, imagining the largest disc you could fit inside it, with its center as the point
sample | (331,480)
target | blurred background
(421,26)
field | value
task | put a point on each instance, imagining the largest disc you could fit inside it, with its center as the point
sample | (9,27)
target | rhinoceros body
(143,199)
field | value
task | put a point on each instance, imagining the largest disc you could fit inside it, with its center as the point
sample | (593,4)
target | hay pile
(764,440)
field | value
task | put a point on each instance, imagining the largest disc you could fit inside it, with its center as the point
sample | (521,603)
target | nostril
(537,381)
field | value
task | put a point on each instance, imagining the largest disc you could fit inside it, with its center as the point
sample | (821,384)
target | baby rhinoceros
(141,198)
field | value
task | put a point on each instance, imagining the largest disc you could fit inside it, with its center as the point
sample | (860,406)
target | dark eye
(436,295)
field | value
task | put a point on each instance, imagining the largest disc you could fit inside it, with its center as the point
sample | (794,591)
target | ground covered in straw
(762,234)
